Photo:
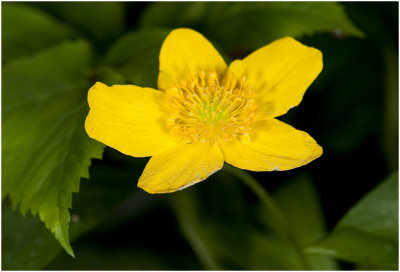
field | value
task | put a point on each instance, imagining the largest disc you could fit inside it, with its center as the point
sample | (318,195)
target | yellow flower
(205,112)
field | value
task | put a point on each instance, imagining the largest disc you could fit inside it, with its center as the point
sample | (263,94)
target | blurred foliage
(269,237)
(256,24)
(100,23)
(41,31)
(135,56)
(391,103)
(368,233)
(53,52)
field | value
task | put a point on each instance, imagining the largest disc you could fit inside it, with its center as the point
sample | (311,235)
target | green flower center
(202,109)
(212,112)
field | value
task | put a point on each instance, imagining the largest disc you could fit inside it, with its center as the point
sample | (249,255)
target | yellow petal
(279,74)
(129,118)
(180,167)
(274,146)
(185,51)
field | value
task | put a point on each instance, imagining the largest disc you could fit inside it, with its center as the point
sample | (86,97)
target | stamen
(203,110)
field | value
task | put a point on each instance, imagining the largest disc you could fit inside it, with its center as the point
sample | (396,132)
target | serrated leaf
(95,200)
(27,29)
(111,182)
(45,148)
(135,56)
(368,233)
(28,245)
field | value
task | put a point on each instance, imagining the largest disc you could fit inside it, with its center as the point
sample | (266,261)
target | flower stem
(271,206)
(261,193)
(191,227)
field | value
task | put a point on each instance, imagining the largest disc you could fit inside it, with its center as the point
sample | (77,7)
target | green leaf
(191,228)
(377,212)
(44,145)
(175,14)
(100,22)
(135,56)
(28,245)
(298,200)
(27,30)
(296,219)
(111,201)
(251,25)
(228,232)
(368,233)
(108,76)
(203,222)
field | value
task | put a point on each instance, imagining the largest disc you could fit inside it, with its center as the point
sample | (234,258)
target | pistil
(202,109)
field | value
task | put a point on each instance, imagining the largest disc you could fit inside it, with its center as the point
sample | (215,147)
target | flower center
(204,110)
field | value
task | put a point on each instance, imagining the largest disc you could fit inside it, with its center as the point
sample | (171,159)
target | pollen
(204,110)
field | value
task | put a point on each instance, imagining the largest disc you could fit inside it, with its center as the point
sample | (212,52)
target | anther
(212,79)
(191,85)
(202,76)
(203,110)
